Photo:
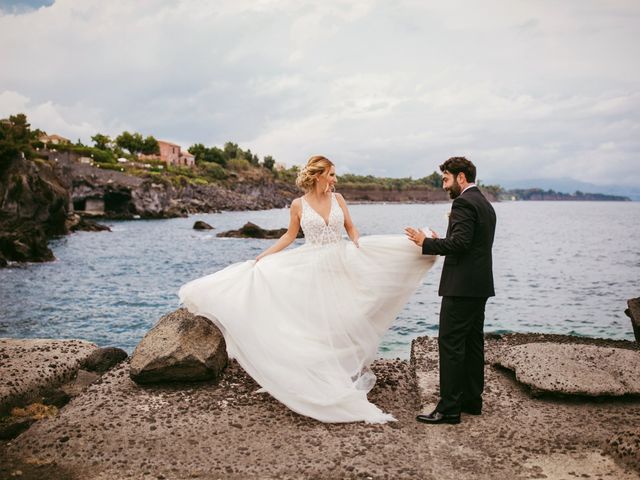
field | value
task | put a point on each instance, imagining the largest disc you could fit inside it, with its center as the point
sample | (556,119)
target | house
(54,139)
(171,154)
(187,159)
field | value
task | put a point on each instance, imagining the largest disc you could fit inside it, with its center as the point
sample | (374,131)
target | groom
(465,285)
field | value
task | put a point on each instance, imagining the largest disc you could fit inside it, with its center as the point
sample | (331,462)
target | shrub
(238,164)
(199,181)
(215,171)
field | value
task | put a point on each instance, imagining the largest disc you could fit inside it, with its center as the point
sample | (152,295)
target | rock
(30,368)
(11,427)
(574,369)
(251,230)
(180,347)
(58,398)
(78,385)
(76,223)
(200,225)
(33,208)
(102,359)
(633,312)
(626,447)
(424,363)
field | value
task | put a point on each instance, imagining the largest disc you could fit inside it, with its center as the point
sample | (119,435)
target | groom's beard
(454,190)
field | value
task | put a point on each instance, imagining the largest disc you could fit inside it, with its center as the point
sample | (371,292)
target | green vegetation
(16,138)
(135,144)
(98,155)
(365,182)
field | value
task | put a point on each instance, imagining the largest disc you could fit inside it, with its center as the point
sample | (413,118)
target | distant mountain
(569,185)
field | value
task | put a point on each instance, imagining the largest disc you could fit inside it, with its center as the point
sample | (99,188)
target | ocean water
(560,267)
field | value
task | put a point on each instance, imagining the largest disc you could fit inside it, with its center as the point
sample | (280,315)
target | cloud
(18,7)
(523,88)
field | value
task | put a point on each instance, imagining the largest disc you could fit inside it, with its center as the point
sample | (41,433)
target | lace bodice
(316,231)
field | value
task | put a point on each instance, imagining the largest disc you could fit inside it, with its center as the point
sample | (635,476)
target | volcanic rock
(180,347)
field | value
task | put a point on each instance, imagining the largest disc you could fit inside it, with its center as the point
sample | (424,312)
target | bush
(238,164)
(100,156)
(215,171)
(199,181)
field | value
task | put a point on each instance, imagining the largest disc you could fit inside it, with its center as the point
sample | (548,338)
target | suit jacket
(467,270)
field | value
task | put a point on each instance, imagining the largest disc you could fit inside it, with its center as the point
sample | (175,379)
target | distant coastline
(538,194)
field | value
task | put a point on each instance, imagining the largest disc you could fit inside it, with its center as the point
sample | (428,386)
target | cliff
(34,206)
(116,195)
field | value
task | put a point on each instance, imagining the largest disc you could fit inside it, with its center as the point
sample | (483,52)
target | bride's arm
(291,233)
(351,229)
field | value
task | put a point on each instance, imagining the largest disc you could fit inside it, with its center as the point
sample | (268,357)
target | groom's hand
(416,235)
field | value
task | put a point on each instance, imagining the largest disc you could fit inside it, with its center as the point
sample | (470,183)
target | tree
(251,158)
(101,142)
(207,155)
(133,142)
(230,150)
(268,162)
(214,154)
(198,150)
(150,146)
(15,138)
(433,180)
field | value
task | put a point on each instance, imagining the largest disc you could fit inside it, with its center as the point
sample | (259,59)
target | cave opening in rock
(118,202)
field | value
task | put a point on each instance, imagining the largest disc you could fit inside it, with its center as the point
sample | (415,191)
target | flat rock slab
(30,367)
(119,429)
(589,370)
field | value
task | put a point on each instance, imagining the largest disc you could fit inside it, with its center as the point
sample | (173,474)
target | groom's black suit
(465,285)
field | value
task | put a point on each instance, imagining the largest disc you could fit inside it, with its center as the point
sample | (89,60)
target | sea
(559,267)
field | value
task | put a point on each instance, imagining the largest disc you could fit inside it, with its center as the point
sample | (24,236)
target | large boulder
(103,359)
(202,225)
(587,370)
(180,347)
(251,230)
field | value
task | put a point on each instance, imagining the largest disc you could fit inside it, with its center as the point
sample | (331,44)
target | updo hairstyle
(315,167)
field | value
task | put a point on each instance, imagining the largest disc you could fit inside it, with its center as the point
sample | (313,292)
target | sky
(535,89)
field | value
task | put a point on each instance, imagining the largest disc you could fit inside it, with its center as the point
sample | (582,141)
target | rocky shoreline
(223,428)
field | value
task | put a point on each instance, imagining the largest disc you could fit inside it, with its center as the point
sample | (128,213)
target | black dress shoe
(436,417)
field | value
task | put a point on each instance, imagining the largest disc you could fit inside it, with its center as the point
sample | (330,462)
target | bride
(306,322)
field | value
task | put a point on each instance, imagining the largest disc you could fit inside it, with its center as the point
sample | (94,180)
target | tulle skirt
(306,322)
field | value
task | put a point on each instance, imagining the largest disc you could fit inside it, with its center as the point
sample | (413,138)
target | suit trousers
(461,353)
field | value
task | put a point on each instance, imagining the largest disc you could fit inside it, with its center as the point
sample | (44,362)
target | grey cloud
(387,89)
(18,7)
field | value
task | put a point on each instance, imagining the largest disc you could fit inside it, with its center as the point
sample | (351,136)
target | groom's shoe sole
(436,418)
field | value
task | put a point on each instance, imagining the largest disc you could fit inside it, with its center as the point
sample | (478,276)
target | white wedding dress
(306,322)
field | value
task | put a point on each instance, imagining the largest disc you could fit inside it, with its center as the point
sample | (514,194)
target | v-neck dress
(306,322)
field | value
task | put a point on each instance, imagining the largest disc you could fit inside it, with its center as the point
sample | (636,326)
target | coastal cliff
(34,206)
(113,194)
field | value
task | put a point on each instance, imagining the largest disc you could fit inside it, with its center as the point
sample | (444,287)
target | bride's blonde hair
(315,167)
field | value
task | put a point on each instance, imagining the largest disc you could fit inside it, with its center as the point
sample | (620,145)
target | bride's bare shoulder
(296,204)
(340,198)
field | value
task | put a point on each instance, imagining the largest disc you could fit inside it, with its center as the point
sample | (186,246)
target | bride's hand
(356,241)
(260,256)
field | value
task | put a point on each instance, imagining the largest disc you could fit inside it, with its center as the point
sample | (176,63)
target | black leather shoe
(436,417)
(472,410)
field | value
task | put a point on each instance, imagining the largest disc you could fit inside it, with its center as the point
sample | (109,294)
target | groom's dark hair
(458,165)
